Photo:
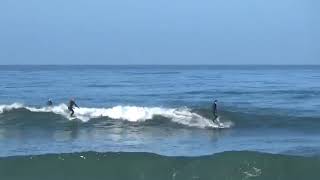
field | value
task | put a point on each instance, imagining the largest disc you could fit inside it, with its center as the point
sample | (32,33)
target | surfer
(49,102)
(71,105)
(214,109)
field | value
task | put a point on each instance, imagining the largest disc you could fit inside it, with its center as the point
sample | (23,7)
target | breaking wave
(182,116)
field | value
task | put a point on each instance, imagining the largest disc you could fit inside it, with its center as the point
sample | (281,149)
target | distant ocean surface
(155,122)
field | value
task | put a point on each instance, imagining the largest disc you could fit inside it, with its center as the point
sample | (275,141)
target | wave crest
(182,116)
(4,108)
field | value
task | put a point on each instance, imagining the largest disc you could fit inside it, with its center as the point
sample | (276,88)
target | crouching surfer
(71,105)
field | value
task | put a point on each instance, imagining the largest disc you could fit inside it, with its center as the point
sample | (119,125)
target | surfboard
(72,117)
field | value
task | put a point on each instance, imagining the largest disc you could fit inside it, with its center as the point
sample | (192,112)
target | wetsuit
(214,109)
(71,105)
(49,103)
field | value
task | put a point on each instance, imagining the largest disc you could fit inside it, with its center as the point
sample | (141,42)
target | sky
(159,32)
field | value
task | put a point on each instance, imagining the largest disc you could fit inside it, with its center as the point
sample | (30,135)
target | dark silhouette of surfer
(49,102)
(71,105)
(214,110)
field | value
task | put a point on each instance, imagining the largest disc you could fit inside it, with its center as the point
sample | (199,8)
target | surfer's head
(215,100)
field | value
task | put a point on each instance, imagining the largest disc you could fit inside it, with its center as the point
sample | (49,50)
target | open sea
(155,123)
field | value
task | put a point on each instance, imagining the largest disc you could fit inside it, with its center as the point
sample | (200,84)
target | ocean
(155,122)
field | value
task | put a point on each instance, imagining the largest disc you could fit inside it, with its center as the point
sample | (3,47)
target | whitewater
(181,115)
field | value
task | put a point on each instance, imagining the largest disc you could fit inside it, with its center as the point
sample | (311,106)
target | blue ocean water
(160,109)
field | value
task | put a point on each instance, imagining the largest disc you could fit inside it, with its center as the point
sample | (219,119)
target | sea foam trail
(182,116)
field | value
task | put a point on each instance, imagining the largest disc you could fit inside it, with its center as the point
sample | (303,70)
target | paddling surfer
(49,102)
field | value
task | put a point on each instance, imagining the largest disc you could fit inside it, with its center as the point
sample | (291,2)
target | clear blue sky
(159,32)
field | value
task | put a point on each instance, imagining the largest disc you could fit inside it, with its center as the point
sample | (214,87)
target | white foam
(130,113)
(4,108)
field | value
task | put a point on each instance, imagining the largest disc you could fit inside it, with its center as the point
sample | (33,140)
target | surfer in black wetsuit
(49,102)
(214,109)
(71,105)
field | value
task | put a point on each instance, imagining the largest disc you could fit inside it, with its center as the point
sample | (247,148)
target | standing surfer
(71,105)
(214,109)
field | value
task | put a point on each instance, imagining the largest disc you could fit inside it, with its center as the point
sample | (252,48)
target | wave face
(141,166)
(188,117)
(183,116)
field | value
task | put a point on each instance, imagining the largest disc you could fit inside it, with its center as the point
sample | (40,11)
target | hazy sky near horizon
(160,32)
